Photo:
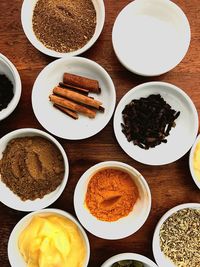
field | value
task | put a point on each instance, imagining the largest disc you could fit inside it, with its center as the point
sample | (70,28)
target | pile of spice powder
(180,238)
(31,167)
(64,25)
(111,194)
(6,91)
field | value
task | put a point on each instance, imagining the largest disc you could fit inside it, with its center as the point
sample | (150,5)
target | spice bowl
(37,166)
(27,24)
(194,162)
(123,226)
(129,256)
(181,136)
(176,233)
(151,37)
(14,254)
(9,70)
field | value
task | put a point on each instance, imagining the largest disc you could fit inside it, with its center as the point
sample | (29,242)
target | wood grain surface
(170,185)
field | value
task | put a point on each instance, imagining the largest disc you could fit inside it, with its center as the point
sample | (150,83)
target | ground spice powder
(64,25)
(31,167)
(6,91)
(111,194)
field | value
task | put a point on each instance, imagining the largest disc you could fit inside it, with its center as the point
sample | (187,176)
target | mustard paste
(196,161)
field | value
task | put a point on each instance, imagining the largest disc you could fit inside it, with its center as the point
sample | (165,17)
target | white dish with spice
(71,12)
(11,199)
(14,254)
(181,221)
(9,70)
(124,226)
(194,162)
(129,256)
(151,37)
(59,123)
(180,138)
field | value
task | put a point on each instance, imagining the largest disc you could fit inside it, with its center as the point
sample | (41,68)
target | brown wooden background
(170,184)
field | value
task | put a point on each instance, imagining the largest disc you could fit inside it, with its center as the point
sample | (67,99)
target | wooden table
(170,184)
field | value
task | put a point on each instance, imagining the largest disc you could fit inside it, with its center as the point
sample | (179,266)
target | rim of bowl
(18,87)
(27,217)
(31,132)
(128,256)
(39,46)
(164,217)
(126,168)
(197,182)
(188,39)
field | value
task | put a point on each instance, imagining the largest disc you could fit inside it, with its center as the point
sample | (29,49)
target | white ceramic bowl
(151,37)
(14,254)
(191,158)
(123,227)
(26,19)
(8,69)
(10,199)
(59,123)
(129,256)
(159,256)
(181,137)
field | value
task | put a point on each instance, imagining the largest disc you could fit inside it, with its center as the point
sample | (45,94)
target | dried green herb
(128,263)
(180,238)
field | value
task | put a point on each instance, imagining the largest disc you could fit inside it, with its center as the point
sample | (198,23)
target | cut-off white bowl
(14,255)
(10,199)
(9,70)
(125,226)
(191,161)
(129,256)
(26,19)
(151,37)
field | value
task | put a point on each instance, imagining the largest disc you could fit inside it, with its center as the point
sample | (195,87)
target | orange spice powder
(111,194)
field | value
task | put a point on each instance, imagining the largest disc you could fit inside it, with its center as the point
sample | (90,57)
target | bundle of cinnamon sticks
(71,96)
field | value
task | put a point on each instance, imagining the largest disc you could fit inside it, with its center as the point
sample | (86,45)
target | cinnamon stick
(72,87)
(83,82)
(77,97)
(67,111)
(72,106)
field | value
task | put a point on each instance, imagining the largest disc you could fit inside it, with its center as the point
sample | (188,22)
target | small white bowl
(59,123)
(151,37)
(159,256)
(191,158)
(14,254)
(9,70)
(123,227)
(26,19)
(181,137)
(10,199)
(129,256)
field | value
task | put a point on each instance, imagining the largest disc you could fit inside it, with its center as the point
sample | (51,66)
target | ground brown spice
(111,194)
(31,167)
(64,25)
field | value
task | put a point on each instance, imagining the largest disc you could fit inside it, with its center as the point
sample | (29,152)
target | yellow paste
(196,161)
(52,240)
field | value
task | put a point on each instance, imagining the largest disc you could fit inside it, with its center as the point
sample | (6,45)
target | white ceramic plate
(129,256)
(10,199)
(151,37)
(123,227)
(26,19)
(181,136)
(14,255)
(195,178)
(159,256)
(59,123)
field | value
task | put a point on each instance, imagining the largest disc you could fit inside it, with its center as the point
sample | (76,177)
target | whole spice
(128,263)
(111,194)
(147,121)
(180,238)
(31,167)
(6,91)
(64,25)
